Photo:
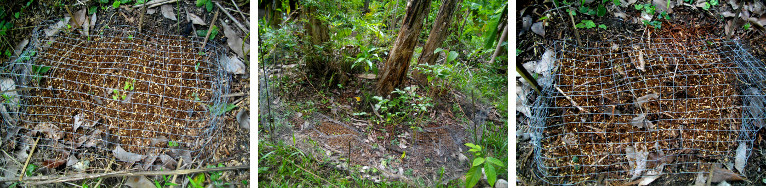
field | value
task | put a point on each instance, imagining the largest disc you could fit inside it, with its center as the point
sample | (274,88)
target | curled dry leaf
(56,28)
(538,28)
(167,12)
(641,122)
(646,98)
(72,160)
(149,161)
(233,65)
(50,131)
(234,41)
(168,162)
(722,174)
(80,18)
(741,158)
(94,139)
(636,160)
(126,156)
(196,19)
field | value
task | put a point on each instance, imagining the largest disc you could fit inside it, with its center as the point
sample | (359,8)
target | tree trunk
(499,44)
(439,32)
(395,69)
(318,35)
(274,16)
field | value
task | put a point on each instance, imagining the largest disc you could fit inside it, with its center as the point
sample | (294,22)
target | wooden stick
(126,173)
(232,18)
(177,167)
(141,19)
(234,95)
(24,170)
(210,29)
(239,11)
(570,99)
(71,16)
(155,4)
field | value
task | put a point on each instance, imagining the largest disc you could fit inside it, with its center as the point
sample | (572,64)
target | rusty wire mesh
(612,111)
(149,93)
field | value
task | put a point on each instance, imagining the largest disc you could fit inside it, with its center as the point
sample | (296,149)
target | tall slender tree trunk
(439,32)
(395,69)
(318,36)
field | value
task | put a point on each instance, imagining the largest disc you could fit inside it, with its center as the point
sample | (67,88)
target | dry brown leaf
(196,19)
(149,161)
(741,158)
(138,182)
(538,28)
(233,65)
(94,139)
(722,174)
(56,28)
(168,162)
(50,131)
(167,12)
(80,18)
(646,98)
(234,41)
(125,156)
(636,160)
(53,163)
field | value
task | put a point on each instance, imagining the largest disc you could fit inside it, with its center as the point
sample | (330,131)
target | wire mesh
(614,110)
(84,96)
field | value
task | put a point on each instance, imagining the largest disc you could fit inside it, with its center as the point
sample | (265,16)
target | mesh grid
(83,96)
(683,106)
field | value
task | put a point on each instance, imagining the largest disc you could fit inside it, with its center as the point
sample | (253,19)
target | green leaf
(602,26)
(543,18)
(472,177)
(229,107)
(125,1)
(478,161)
(601,11)
(495,161)
(201,3)
(104,1)
(438,50)
(138,2)
(706,6)
(746,26)
(209,6)
(616,2)
(491,32)
(491,174)
(452,56)
(116,4)
(714,2)
(638,6)
(471,145)
(214,32)
(92,10)
(16,15)
(31,169)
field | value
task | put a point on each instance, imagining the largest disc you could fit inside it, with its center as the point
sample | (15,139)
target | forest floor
(693,21)
(232,138)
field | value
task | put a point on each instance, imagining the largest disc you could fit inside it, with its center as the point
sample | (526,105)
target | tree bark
(499,44)
(318,36)
(395,69)
(439,32)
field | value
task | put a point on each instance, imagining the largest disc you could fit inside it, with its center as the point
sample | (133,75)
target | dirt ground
(232,140)
(686,22)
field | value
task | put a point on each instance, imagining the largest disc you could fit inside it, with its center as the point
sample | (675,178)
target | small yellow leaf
(358,99)
(403,154)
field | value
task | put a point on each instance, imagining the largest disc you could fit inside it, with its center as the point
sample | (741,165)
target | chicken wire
(143,99)
(618,110)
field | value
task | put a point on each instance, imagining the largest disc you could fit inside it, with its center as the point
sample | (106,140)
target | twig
(234,95)
(158,3)
(570,99)
(239,11)
(232,18)
(177,167)
(210,29)
(24,170)
(108,167)
(574,27)
(141,19)
(126,173)
(72,17)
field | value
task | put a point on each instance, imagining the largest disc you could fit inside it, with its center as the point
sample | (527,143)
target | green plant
(656,24)
(648,8)
(38,71)
(367,55)
(746,26)
(116,4)
(221,109)
(172,144)
(166,182)
(408,103)
(92,10)
(489,164)
(602,26)
(215,176)
(197,181)
(130,85)
(207,3)
(586,24)
(213,33)
(31,169)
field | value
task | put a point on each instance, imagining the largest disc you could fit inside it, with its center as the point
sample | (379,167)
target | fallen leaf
(151,11)
(727,14)
(243,117)
(162,140)
(149,161)
(80,18)
(662,5)
(168,162)
(641,122)
(722,174)
(94,139)
(650,176)
(77,122)
(234,41)
(526,22)
(138,182)
(196,19)
(233,65)
(53,163)
(167,12)
(701,179)
(734,4)
(125,156)
(641,63)
(81,165)
(626,3)
(56,28)
(637,161)
(72,160)
(20,47)
(93,19)
(646,98)
(724,183)
(538,28)
(741,157)
(51,131)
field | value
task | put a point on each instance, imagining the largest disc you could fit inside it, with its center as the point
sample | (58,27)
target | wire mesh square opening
(613,111)
(114,90)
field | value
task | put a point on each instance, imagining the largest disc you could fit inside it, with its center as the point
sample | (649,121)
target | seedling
(207,3)
(221,109)
(489,165)
(586,24)
(166,181)
(31,169)
(172,144)
(746,26)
